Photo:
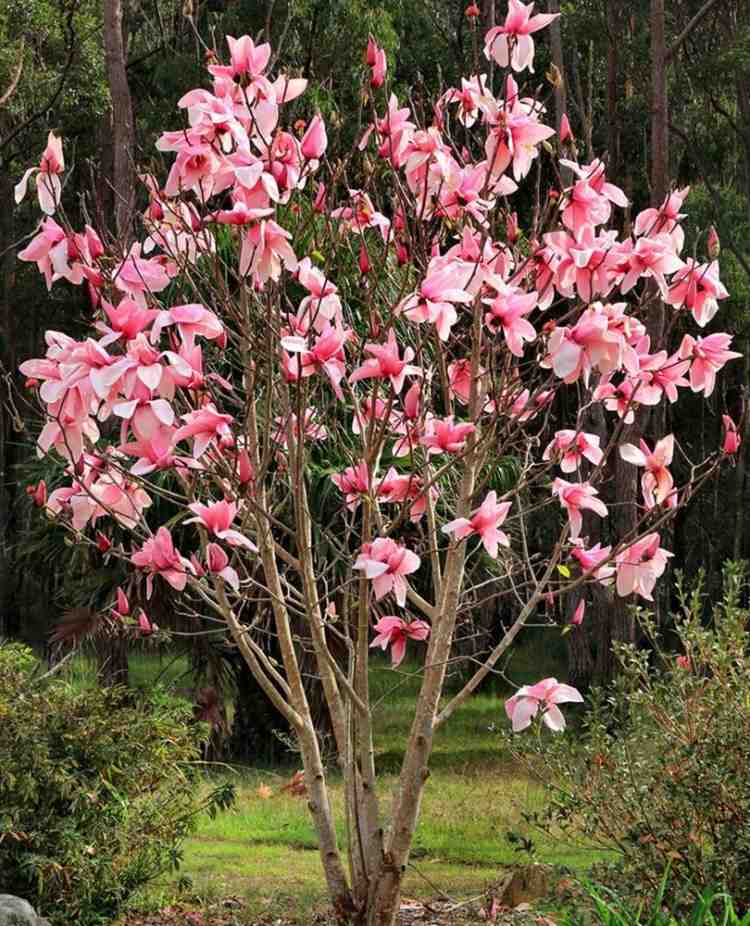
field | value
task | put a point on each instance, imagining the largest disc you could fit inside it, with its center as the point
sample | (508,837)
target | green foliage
(660,773)
(608,909)
(97,793)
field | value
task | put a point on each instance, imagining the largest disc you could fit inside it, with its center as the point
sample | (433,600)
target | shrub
(98,789)
(712,908)
(660,775)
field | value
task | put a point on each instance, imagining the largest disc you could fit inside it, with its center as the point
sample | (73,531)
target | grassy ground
(264,849)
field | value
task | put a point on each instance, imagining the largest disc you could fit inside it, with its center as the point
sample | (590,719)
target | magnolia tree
(386,320)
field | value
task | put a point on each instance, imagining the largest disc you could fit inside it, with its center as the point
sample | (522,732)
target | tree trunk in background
(123,133)
(740,473)
(659,107)
(555,42)
(7,366)
(112,660)
(613,114)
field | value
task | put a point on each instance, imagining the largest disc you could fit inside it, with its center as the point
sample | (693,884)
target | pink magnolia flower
(506,311)
(485,522)
(584,261)
(622,399)
(158,556)
(394,632)
(315,141)
(138,276)
(515,134)
(434,301)
(353,483)
(512,42)
(577,497)
(595,175)
(640,565)
(48,184)
(385,363)
(683,662)
(584,206)
(732,439)
(326,355)
(191,320)
(44,248)
(572,446)
(708,356)
(665,219)
(577,618)
(386,563)
(206,426)
(265,247)
(547,694)
(217,562)
(362,214)
(248,59)
(657,483)
(217,518)
(377,62)
(653,257)
(590,560)
(441,435)
(397,489)
(697,288)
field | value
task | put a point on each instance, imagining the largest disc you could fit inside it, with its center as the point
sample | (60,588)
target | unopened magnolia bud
(38,493)
(714,244)
(511,228)
(364,260)
(103,543)
(472,11)
(315,140)
(554,76)
(566,133)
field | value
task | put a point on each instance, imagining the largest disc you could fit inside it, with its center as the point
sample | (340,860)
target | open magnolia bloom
(526,703)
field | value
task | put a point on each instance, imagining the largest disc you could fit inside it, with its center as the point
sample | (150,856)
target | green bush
(659,772)
(97,790)
(605,908)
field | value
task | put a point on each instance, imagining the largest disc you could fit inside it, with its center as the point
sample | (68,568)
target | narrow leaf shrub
(660,774)
(97,790)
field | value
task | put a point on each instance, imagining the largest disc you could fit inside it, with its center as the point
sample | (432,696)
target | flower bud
(732,439)
(319,203)
(123,605)
(472,11)
(103,543)
(511,228)
(314,141)
(713,243)
(364,260)
(38,493)
(566,133)
(144,624)
(216,558)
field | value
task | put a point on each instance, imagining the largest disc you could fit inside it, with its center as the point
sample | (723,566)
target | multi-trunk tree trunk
(123,132)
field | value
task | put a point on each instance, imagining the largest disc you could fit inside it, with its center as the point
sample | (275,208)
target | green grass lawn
(264,849)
